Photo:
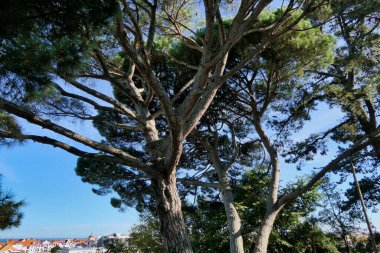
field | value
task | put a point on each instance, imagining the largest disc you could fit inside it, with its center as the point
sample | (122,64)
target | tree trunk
(234,222)
(173,228)
(233,218)
(371,235)
(262,239)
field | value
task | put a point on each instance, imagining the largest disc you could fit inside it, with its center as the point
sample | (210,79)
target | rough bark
(173,229)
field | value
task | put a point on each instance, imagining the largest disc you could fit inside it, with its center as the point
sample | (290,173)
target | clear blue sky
(59,204)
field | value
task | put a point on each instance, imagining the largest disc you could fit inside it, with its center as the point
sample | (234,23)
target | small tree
(55,249)
(145,237)
(336,216)
(10,213)
(116,246)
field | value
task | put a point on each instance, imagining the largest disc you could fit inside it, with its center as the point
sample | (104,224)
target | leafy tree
(350,83)
(293,231)
(116,246)
(266,98)
(46,72)
(10,213)
(55,249)
(223,141)
(145,237)
(341,221)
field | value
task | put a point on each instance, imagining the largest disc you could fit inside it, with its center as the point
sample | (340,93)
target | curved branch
(105,98)
(34,119)
(84,99)
(361,144)
(64,146)
(147,73)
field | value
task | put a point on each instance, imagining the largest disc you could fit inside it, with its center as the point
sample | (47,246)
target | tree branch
(34,119)
(361,144)
(198,183)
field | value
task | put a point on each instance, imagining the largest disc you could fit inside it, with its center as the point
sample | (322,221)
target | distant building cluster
(93,244)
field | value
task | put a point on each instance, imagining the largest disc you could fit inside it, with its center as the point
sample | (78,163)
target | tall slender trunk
(262,239)
(371,235)
(272,209)
(233,220)
(173,228)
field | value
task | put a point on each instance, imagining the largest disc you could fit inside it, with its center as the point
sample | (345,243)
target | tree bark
(234,223)
(172,224)
(371,235)
(233,218)
(262,239)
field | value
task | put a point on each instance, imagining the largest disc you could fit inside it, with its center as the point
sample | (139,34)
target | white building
(28,246)
(46,245)
(82,250)
(112,237)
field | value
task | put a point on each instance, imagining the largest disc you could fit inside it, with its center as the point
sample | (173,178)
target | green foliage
(292,231)
(116,246)
(61,17)
(55,249)
(145,237)
(10,213)
(304,237)
(369,189)
(132,187)
(208,227)
(8,127)
(41,35)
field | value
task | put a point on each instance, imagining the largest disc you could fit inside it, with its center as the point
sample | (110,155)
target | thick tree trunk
(234,222)
(262,239)
(173,229)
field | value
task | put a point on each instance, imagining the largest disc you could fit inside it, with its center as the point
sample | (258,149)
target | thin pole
(372,237)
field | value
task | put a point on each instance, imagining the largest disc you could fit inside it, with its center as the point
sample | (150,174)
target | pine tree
(10,210)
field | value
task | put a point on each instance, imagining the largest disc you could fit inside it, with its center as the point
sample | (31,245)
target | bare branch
(84,99)
(34,119)
(117,104)
(147,73)
(359,145)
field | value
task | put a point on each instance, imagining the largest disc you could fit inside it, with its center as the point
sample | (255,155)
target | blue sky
(59,204)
